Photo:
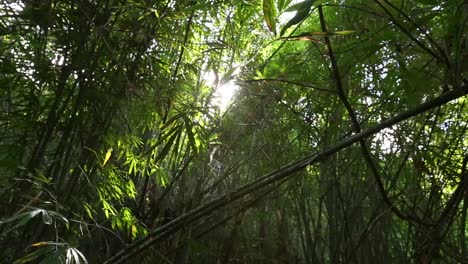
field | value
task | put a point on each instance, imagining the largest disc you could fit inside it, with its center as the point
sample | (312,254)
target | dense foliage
(345,143)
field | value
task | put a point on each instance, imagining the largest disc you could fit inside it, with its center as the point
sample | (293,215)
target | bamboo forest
(222,131)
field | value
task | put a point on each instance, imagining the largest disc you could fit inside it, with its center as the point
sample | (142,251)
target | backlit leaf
(107,157)
(282,4)
(303,10)
(270,13)
(134,231)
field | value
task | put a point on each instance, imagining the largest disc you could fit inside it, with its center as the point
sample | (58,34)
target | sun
(223,92)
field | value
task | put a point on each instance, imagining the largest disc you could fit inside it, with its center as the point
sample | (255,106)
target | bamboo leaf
(34,255)
(134,231)
(168,146)
(46,218)
(58,216)
(303,10)
(19,216)
(270,13)
(75,256)
(25,217)
(83,258)
(282,4)
(190,135)
(107,157)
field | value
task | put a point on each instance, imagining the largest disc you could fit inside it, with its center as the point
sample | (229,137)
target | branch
(424,32)
(413,38)
(357,126)
(287,81)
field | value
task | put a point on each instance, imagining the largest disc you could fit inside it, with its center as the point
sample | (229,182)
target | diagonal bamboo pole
(272,177)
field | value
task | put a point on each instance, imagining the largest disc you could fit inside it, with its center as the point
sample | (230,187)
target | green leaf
(343,32)
(270,13)
(48,243)
(258,74)
(134,231)
(34,255)
(303,10)
(282,4)
(106,158)
(58,216)
(109,210)
(130,188)
(15,217)
(25,217)
(168,145)
(189,130)
(46,218)
(162,177)
(89,209)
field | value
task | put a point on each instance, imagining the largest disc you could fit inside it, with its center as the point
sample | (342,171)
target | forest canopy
(217,131)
